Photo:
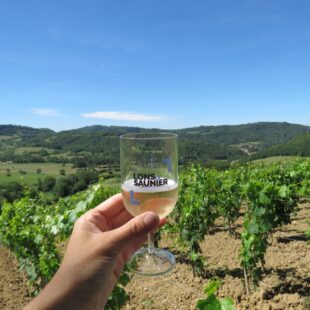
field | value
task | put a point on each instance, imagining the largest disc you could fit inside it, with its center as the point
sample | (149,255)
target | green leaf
(283,191)
(212,287)
(253,228)
(124,279)
(201,304)
(54,230)
(227,304)
(211,303)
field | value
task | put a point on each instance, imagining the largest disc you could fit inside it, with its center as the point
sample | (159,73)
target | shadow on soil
(290,282)
(300,237)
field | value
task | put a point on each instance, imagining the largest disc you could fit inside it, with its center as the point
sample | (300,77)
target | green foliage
(68,185)
(269,205)
(269,195)
(196,210)
(212,302)
(205,194)
(62,172)
(229,195)
(32,230)
(23,229)
(10,192)
(298,146)
(47,184)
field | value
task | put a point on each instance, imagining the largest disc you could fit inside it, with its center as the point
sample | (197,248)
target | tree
(62,187)
(62,172)
(79,186)
(11,191)
(48,183)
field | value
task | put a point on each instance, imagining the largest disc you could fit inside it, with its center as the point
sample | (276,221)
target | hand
(103,239)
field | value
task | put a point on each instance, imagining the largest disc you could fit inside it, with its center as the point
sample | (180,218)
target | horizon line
(157,128)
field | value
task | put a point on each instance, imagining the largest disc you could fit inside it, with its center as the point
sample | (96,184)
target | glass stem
(150,242)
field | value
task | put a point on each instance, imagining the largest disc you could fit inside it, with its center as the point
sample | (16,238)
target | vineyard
(248,203)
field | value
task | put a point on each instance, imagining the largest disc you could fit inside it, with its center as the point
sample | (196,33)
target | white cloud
(126,116)
(45,112)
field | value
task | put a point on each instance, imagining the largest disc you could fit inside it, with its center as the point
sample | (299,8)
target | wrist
(60,293)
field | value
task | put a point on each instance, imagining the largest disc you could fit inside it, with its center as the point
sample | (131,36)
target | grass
(27,149)
(31,176)
(279,159)
(3,138)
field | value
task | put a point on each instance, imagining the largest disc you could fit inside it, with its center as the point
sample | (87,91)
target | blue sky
(154,63)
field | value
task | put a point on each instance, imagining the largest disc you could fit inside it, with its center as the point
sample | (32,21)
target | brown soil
(14,292)
(285,283)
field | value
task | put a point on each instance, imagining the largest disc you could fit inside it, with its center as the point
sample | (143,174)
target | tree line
(56,188)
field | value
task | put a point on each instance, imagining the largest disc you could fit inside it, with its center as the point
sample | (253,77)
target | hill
(97,145)
(297,146)
(14,135)
(263,133)
(23,131)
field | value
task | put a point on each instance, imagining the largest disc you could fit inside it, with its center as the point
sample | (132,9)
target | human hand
(102,241)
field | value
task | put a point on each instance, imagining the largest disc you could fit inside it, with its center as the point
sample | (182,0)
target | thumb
(137,227)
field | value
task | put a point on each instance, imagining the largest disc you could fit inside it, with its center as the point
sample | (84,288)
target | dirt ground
(13,284)
(285,284)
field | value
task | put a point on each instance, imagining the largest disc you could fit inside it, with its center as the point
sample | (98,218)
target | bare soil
(285,283)
(14,293)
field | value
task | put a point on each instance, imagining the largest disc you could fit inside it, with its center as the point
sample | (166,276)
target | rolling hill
(100,144)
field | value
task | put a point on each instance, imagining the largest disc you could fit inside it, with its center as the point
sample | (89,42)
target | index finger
(111,207)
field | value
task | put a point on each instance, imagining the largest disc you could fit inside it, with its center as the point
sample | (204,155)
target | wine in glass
(149,176)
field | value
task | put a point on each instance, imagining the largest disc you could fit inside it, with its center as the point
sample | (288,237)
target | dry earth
(285,283)
(14,292)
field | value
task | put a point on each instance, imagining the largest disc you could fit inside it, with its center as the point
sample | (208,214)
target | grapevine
(266,195)
(269,206)
(212,302)
(196,211)
(33,231)
(269,195)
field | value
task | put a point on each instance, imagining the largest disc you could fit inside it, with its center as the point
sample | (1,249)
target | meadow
(28,173)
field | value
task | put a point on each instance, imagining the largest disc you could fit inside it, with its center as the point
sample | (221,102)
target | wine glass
(149,177)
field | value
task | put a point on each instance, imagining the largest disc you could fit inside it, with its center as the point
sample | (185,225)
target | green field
(31,176)
(27,149)
(3,138)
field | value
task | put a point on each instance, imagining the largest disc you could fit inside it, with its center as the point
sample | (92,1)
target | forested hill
(100,144)
(299,145)
(264,133)
(24,132)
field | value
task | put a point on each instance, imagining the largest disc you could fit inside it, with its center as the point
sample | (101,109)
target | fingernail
(151,219)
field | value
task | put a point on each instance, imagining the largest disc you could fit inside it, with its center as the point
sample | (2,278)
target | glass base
(151,263)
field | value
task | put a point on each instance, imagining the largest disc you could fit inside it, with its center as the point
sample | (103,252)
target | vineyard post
(246,281)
